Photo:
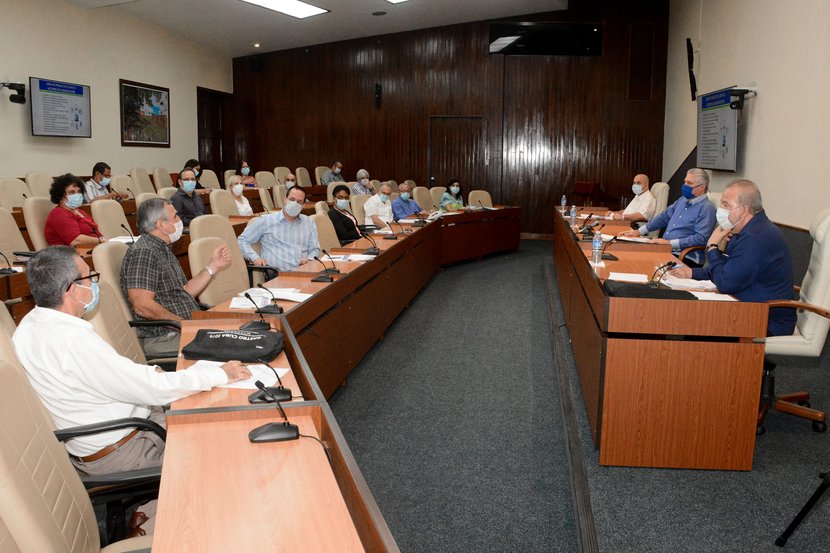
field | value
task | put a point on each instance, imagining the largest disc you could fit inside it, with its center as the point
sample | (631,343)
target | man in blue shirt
(403,206)
(288,239)
(757,265)
(688,221)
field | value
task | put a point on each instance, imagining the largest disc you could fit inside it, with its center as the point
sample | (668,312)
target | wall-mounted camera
(19,96)
(741,94)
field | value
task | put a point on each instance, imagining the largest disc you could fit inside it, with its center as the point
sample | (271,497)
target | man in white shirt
(378,208)
(642,207)
(82,380)
(98,187)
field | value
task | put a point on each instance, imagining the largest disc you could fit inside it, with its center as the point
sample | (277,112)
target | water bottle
(596,248)
(563,203)
(573,215)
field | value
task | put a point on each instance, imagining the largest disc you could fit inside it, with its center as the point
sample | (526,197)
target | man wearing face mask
(333,174)
(188,204)
(378,208)
(756,265)
(364,185)
(688,221)
(288,239)
(642,207)
(98,187)
(153,281)
(403,206)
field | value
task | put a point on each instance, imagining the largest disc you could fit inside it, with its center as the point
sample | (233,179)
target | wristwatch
(211,273)
(710,246)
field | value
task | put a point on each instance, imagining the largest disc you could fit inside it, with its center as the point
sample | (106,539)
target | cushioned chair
(123,184)
(394,196)
(266,199)
(265,179)
(435,194)
(375,183)
(141,179)
(332,185)
(39,183)
(215,226)
(7,326)
(321,207)
(110,216)
(660,191)
(478,198)
(812,325)
(422,197)
(303,179)
(167,192)
(107,259)
(144,196)
(280,193)
(714,197)
(227,176)
(208,179)
(11,239)
(222,203)
(162,178)
(411,183)
(319,171)
(35,212)
(393,185)
(227,283)
(326,234)
(13,192)
(281,173)
(357,203)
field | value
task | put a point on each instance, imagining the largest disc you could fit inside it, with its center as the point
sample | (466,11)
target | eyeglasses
(92,276)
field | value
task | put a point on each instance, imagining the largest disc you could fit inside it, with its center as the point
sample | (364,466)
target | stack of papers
(258,372)
(353,257)
(628,277)
(687,283)
(288,294)
(640,239)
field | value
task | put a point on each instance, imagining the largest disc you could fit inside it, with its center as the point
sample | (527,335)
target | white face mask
(637,189)
(454,189)
(176,234)
(293,208)
(364,182)
(722,216)
(237,189)
(337,171)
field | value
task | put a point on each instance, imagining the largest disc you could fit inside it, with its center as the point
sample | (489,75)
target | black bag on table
(247,346)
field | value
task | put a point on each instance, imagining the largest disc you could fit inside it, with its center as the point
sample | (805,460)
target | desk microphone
(324,277)
(334,270)
(666,267)
(279,393)
(609,256)
(123,226)
(273,431)
(131,192)
(392,236)
(261,324)
(421,220)
(585,223)
(400,226)
(8,271)
(273,298)
(374,249)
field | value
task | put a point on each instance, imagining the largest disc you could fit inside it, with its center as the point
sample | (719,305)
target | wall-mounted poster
(145,114)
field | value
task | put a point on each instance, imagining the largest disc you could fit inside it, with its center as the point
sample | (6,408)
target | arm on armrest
(800,305)
(176,325)
(117,424)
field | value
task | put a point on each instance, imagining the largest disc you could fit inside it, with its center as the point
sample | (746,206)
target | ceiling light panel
(294,8)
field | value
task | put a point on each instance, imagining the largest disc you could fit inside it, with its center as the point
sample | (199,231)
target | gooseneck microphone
(131,192)
(5,271)
(274,305)
(609,256)
(273,431)
(261,324)
(374,249)
(662,269)
(268,309)
(334,270)
(324,276)
(392,236)
(123,226)
(585,223)
(278,393)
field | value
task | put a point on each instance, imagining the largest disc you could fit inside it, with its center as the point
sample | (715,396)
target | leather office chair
(35,212)
(422,197)
(376,184)
(811,328)
(319,171)
(39,183)
(435,194)
(13,192)
(110,216)
(144,196)
(321,207)
(482,196)
(7,326)
(216,226)
(222,203)
(660,191)
(208,179)
(11,239)
(107,259)
(167,192)
(227,283)
(332,185)
(357,203)
(123,184)
(281,173)
(266,199)
(280,193)
(303,179)
(265,179)
(141,179)
(411,184)
(162,178)
(326,234)
(227,176)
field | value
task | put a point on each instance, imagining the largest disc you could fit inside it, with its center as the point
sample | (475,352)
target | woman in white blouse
(242,204)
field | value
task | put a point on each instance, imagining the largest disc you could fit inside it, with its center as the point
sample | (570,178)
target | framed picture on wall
(145,114)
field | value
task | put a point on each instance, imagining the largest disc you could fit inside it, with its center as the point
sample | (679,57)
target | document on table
(287,294)
(628,277)
(383,231)
(244,303)
(711,296)
(353,257)
(258,372)
(639,239)
(687,283)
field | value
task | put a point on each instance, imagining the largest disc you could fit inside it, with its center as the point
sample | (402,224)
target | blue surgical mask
(455,189)
(74,201)
(337,171)
(196,172)
(342,204)
(246,171)
(105,181)
(383,197)
(189,186)
(405,196)
(96,294)
(687,191)
(637,189)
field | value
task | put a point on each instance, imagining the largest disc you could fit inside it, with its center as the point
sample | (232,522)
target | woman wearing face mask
(452,200)
(245,170)
(364,186)
(242,204)
(197,170)
(67,224)
(345,224)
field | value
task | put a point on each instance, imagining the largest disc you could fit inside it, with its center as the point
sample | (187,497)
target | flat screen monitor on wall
(717,131)
(59,108)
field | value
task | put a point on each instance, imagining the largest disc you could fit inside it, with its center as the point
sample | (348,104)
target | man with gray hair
(688,221)
(153,281)
(757,265)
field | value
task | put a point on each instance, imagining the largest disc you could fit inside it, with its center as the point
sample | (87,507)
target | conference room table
(666,382)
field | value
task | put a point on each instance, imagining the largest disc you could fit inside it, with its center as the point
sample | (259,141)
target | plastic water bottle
(563,204)
(573,215)
(596,248)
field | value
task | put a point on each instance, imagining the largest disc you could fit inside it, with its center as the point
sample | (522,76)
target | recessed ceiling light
(257,44)
(395,1)
(294,8)
(501,43)
(378,14)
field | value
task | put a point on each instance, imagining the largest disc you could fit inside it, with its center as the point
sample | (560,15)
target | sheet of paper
(245,303)
(288,294)
(122,239)
(451,213)
(258,372)
(639,239)
(687,283)
(712,296)
(407,221)
(628,277)
(383,231)
(354,257)
(607,237)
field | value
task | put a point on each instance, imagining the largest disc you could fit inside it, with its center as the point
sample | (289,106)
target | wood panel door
(214,134)
(456,151)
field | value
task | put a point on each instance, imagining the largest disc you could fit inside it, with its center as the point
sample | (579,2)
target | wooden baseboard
(532,236)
